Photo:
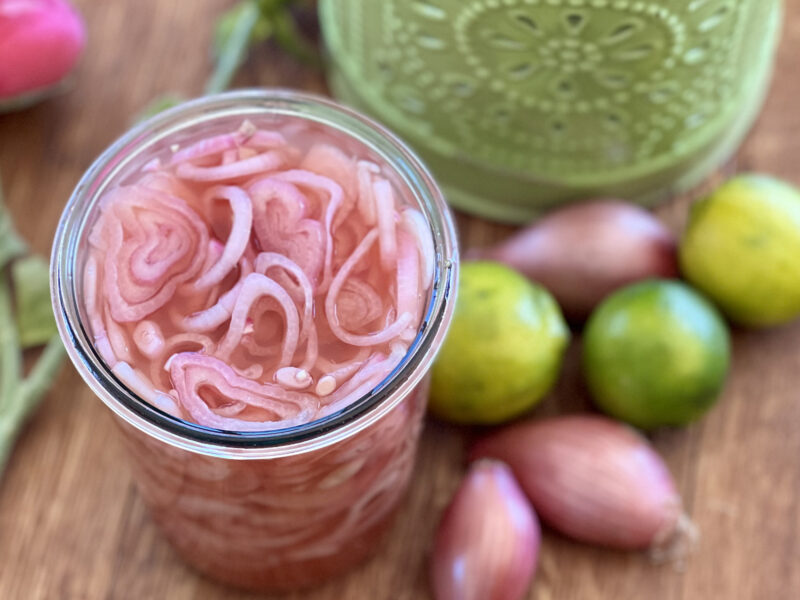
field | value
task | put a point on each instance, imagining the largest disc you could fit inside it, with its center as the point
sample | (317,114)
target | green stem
(233,53)
(10,355)
(41,376)
(10,370)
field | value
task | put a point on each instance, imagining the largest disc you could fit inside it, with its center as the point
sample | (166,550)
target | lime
(656,353)
(503,351)
(742,249)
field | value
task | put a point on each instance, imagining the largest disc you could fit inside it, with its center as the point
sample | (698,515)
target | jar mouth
(73,227)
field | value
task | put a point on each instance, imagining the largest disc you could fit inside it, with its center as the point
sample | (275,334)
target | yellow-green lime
(656,353)
(503,351)
(742,249)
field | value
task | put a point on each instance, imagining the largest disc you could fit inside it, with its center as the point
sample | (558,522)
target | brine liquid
(256,279)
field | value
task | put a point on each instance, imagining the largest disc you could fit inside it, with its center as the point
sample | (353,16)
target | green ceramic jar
(521,105)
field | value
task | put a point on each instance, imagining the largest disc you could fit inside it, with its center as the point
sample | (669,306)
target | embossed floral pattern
(587,86)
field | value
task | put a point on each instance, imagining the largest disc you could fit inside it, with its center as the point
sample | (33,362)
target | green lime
(503,351)
(742,249)
(656,353)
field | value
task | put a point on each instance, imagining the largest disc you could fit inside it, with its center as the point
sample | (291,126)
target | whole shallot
(583,252)
(597,481)
(487,544)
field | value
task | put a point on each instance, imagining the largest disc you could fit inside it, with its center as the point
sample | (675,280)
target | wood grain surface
(73,527)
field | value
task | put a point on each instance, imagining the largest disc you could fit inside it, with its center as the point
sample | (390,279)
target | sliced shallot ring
(335,199)
(214,316)
(238,239)
(415,224)
(408,281)
(134,295)
(148,338)
(189,372)
(267,260)
(258,286)
(98,328)
(372,374)
(217,144)
(267,161)
(142,388)
(384,204)
(369,339)
(366,193)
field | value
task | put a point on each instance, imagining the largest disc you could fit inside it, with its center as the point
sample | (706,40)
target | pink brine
(258,279)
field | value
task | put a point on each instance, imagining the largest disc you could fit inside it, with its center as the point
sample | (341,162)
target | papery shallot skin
(487,543)
(593,479)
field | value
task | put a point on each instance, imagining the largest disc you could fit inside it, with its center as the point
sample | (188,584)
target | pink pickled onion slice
(408,293)
(215,315)
(262,139)
(95,312)
(329,161)
(384,205)
(117,338)
(153,243)
(267,260)
(364,381)
(255,287)
(267,161)
(238,238)
(215,145)
(190,372)
(366,193)
(141,387)
(415,224)
(370,339)
(149,339)
(335,199)
(280,225)
(358,305)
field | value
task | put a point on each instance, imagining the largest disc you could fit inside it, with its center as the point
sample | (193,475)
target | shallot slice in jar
(335,199)
(268,161)
(384,206)
(257,286)
(390,332)
(190,372)
(239,237)
(281,225)
(152,244)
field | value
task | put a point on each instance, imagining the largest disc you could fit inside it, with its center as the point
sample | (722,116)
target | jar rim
(264,444)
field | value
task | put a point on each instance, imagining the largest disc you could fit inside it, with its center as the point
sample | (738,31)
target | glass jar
(283,509)
(521,105)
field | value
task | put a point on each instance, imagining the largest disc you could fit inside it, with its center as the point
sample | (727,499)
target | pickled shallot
(251,282)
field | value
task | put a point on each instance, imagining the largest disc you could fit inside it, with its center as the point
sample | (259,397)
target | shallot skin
(487,544)
(592,479)
(583,252)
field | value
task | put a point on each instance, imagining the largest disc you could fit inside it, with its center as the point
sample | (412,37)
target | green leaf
(34,314)
(292,40)
(232,40)
(11,245)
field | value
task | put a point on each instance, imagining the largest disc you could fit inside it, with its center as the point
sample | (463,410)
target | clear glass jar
(283,509)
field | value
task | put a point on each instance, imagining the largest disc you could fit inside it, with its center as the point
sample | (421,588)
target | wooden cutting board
(72,526)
